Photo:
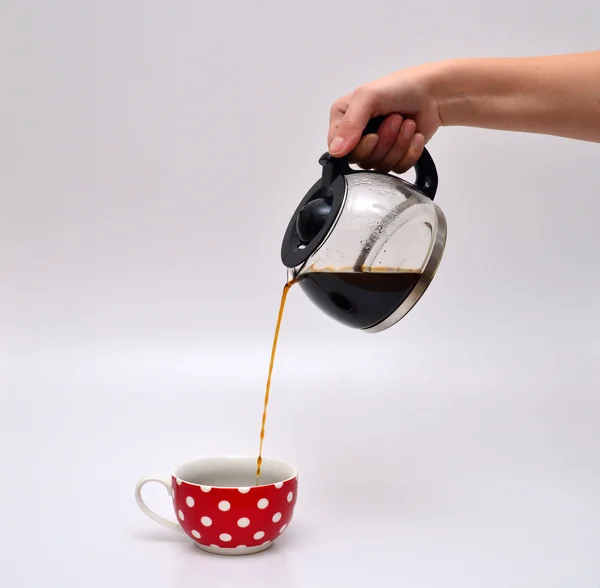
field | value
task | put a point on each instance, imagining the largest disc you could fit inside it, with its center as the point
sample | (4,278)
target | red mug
(219,506)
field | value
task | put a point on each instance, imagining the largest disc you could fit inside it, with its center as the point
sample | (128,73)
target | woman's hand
(552,95)
(407,97)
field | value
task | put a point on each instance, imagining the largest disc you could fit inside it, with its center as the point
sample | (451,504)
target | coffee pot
(363,245)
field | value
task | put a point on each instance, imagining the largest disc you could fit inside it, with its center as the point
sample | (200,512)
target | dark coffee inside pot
(359,299)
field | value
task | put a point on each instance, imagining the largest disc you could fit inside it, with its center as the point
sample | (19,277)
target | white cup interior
(233,472)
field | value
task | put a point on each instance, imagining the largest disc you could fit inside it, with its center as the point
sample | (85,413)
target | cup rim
(266,458)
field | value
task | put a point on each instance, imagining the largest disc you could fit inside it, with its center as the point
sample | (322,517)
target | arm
(554,95)
(557,95)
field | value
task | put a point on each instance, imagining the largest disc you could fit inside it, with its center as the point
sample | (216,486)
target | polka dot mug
(219,506)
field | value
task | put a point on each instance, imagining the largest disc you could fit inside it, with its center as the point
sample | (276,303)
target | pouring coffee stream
(363,246)
(284,294)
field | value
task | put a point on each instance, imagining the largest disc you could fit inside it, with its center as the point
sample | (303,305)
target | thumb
(349,132)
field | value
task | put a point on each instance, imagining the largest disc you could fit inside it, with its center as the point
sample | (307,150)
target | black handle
(426,172)
(373,125)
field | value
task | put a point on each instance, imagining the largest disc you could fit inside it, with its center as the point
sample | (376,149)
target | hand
(407,97)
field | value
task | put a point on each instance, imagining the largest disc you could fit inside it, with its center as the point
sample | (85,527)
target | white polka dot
(290,496)
(224,505)
(243,490)
(206,521)
(259,535)
(278,485)
(243,522)
(196,534)
(265,543)
(178,481)
(283,528)
(276,517)
(262,503)
(190,501)
(205,488)
(225,537)
(214,546)
(180,513)
(240,546)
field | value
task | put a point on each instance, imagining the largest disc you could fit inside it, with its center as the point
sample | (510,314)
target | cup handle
(166,482)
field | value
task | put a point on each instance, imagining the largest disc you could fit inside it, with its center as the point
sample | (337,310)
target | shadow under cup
(219,506)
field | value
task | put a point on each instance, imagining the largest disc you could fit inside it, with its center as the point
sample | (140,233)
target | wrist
(454,90)
(554,95)
(494,93)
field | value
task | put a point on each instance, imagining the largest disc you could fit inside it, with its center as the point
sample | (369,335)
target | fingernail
(396,123)
(336,145)
(408,130)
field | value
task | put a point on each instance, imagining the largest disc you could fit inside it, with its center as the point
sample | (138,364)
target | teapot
(363,245)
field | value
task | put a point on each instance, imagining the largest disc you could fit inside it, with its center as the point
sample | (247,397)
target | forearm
(556,95)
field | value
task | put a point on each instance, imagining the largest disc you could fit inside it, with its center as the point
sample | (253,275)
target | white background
(151,154)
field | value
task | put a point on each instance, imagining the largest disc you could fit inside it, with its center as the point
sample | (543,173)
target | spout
(296,272)
(292,274)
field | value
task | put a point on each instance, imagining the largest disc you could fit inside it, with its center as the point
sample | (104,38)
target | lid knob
(312,218)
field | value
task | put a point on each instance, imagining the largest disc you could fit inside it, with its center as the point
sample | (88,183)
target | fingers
(398,149)
(396,146)
(387,133)
(364,149)
(412,154)
(336,115)
(392,149)
(348,120)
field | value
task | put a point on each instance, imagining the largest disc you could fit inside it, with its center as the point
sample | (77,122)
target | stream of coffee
(358,299)
(284,294)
